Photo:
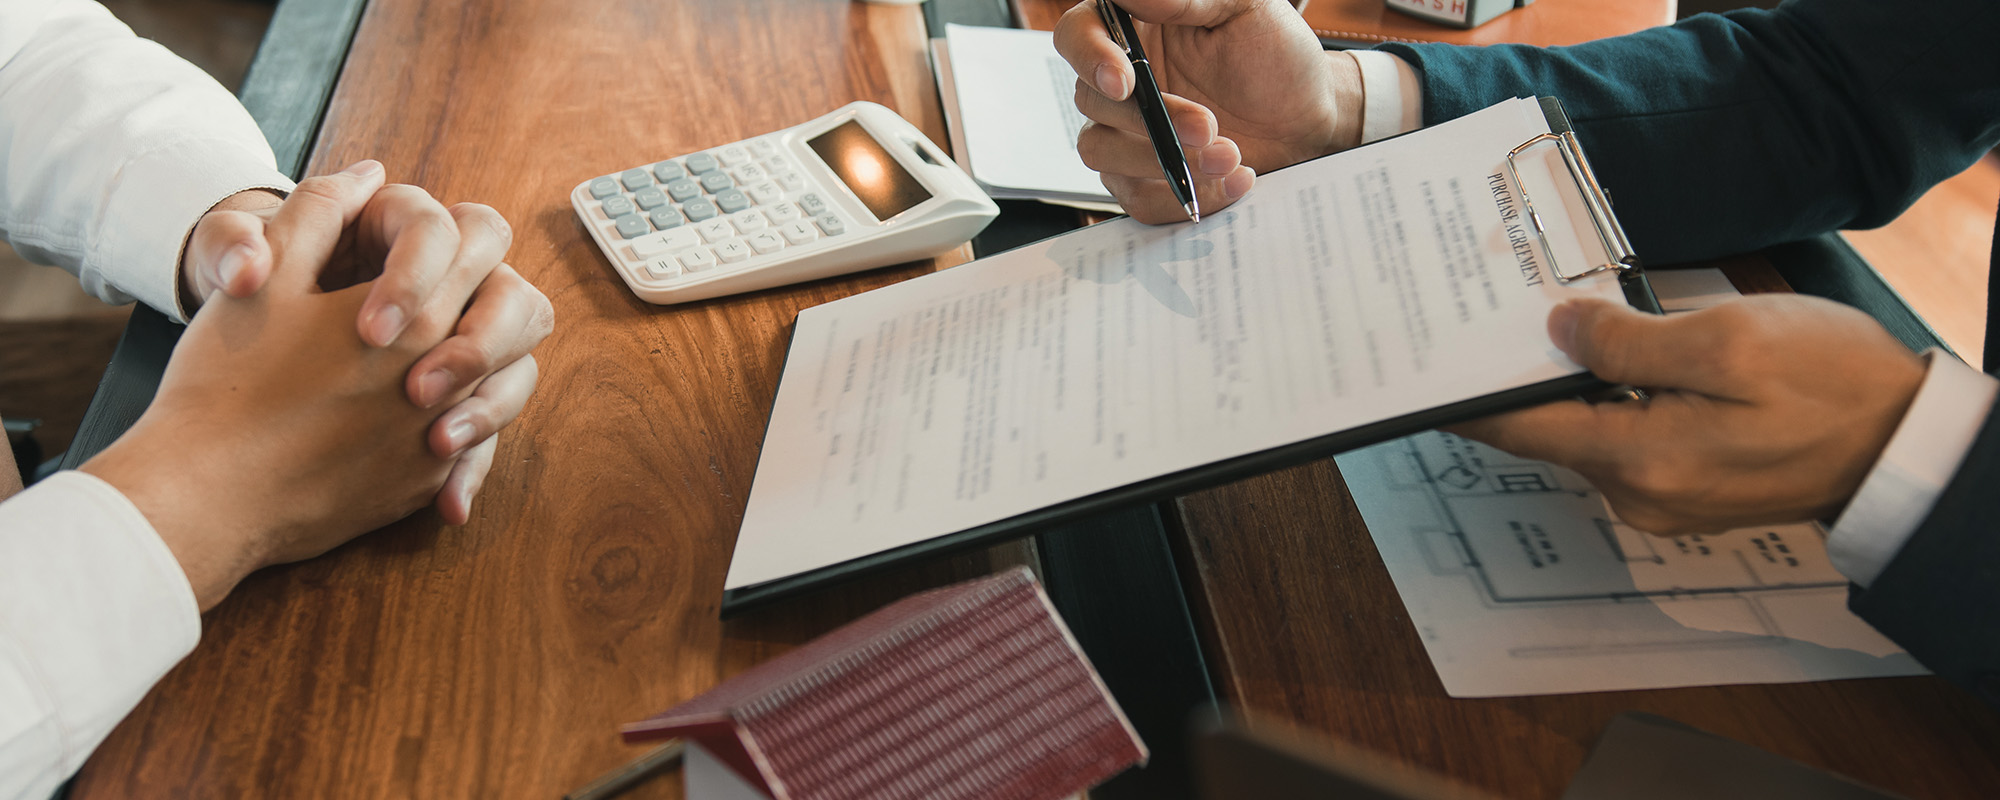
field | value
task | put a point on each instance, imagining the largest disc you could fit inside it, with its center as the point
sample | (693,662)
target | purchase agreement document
(1344,291)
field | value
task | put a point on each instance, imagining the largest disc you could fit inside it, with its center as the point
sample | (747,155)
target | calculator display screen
(882,184)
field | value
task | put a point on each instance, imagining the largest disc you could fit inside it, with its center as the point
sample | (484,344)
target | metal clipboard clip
(1623,260)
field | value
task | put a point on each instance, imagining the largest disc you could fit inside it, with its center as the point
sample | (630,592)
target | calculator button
(798,232)
(752,220)
(666,241)
(765,242)
(701,163)
(764,193)
(748,173)
(732,251)
(650,198)
(698,210)
(732,201)
(665,217)
(664,269)
(715,182)
(778,164)
(784,212)
(831,224)
(603,187)
(732,155)
(697,259)
(617,206)
(716,230)
(682,190)
(791,181)
(812,205)
(762,148)
(632,226)
(668,171)
(636,179)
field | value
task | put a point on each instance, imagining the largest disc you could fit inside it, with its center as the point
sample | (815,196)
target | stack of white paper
(1010,109)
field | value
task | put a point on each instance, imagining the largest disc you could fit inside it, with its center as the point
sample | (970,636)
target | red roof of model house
(970,691)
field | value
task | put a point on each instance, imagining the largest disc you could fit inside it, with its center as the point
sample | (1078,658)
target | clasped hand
(299,408)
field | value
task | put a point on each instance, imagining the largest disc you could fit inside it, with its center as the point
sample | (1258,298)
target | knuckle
(541,315)
(479,216)
(320,188)
(1092,145)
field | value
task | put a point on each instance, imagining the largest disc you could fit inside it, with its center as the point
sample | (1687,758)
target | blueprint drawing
(1520,581)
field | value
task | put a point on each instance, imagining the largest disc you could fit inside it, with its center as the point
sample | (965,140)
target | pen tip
(1193,211)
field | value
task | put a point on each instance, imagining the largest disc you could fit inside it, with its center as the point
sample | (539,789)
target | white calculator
(855,189)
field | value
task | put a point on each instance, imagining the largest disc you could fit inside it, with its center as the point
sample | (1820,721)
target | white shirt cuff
(94,609)
(158,199)
(1943,421)
(1392,99)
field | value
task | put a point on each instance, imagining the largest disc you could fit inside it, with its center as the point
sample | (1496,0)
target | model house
(971,691)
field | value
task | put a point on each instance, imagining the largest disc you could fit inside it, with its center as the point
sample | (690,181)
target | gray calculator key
(668,171)
(636,179)
(812,205)
(831,224)
(701,163)
(698,210)
(603,187)
(731,201)
(650,198)
(633,226)
(664,218)
(617,206)
(682,190)
(715,182)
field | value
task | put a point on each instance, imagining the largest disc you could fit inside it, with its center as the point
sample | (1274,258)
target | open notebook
(1344,301)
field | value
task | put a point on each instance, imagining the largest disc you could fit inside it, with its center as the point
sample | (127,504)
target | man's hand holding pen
(1244,82)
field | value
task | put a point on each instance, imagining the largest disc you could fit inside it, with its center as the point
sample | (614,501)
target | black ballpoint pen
(1152,108)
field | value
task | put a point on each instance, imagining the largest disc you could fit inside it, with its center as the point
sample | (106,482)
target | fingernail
(1216,161)
(459,435)
(1562,326)
(231,265)
(432,386)
(364,168)
(1239,182)
(1111,81)
(386,326)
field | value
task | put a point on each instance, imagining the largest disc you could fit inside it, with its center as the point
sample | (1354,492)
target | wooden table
(497,659)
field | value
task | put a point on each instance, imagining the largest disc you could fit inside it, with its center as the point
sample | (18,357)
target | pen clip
(1109,14)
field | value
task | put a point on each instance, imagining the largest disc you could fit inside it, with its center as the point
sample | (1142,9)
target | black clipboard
(1624,262)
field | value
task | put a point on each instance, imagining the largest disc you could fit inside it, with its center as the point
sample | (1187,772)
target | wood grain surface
(497,659)
(1304,625)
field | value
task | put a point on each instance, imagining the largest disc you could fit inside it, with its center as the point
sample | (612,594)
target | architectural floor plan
(1520,581)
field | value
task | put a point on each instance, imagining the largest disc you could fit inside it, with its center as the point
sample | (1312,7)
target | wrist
(1348,101)
(213,542)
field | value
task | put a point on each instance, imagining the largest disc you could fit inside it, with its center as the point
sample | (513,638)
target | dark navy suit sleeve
(1940,596)
(1723,134)
(1726,133)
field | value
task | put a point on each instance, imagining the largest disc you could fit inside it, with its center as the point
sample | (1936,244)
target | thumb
(228,253)
(1624,345)
(309,225)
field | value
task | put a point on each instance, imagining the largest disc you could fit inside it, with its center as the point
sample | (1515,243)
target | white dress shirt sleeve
(1929,444)
(1392,99)
(94,609)
(111,148)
